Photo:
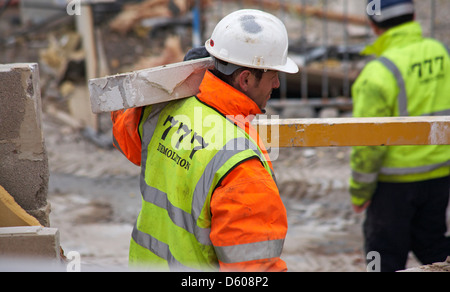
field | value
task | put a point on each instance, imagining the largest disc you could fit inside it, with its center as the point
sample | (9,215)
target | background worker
(404,188)
(209,198)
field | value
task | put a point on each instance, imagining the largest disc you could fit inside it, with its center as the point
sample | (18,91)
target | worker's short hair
(394,21)
(227,71)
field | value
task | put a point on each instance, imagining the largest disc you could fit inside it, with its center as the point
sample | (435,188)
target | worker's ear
(243,80)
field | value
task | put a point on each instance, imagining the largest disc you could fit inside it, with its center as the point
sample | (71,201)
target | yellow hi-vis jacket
(174,225)
(209,197)
(410,77)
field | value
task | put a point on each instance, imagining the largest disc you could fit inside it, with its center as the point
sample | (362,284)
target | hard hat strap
(225,67)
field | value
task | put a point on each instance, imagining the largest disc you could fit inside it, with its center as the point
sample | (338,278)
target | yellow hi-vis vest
(411,77)
(188,148)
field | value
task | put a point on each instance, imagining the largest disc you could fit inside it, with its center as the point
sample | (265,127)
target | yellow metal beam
(355,131)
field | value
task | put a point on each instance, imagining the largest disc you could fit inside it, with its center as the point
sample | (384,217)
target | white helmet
(252,38)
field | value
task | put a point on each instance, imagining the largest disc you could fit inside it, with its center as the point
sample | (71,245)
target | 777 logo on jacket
(210,132)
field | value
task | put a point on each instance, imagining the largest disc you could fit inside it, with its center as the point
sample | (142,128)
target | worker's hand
(360,209)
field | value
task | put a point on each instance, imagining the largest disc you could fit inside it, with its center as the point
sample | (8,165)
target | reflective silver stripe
(412,170)
(117,145)
(401,98)
(201,189)
(394,11)
(250,251)
(159,248)
(255,148)
(364,177)
(447,48)
(178,216)
(150,124)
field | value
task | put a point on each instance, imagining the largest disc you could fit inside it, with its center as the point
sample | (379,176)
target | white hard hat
(252,38)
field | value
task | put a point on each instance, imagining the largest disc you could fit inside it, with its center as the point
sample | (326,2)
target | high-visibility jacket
(410,77)
(209,198)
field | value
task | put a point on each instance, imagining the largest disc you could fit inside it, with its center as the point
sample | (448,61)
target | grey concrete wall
(23,159)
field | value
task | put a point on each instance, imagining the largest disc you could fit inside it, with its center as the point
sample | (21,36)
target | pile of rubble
(435,267)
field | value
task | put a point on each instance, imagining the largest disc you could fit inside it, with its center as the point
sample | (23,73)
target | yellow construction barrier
(355,131)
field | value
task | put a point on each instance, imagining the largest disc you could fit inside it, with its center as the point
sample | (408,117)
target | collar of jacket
(225,98)
(398,36)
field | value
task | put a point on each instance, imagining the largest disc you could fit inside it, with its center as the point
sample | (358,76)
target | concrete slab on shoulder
(148,86)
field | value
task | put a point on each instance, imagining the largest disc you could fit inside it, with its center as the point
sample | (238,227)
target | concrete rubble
(29,241)
(435,267)
(147,86)
(24,169)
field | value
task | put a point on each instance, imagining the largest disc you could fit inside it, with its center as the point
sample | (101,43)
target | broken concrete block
(434,267)
(23,158)
(29,242)
(148,86)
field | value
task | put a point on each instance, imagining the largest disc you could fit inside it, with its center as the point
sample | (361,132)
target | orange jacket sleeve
(248,216)
(126,136)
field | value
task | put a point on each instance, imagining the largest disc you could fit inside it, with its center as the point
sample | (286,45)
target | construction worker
(404,189)
(209,197)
